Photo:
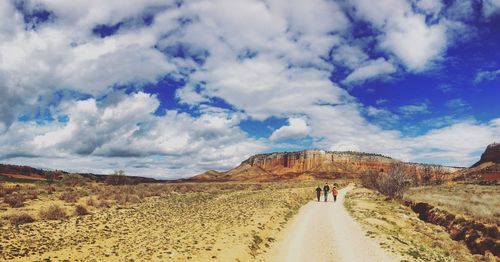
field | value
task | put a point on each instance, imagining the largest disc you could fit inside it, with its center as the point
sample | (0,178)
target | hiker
(326,188)
(318,192)
(335,193)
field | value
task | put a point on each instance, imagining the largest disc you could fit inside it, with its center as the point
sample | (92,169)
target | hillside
(17,173)
(486,169)
(311,164)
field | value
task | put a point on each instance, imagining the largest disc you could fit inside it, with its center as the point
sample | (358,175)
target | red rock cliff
(315,163)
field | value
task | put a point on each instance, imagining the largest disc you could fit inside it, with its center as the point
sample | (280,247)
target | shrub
(73,180)
(103,204)
(53,212)
(91,202)
(81,211)
(119,178)
(15,200)
(393,184)
(370,179)
(50,190)
(69,197)
(20,219)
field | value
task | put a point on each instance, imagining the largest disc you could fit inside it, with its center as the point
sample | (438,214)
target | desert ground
(178,222)
(236,221)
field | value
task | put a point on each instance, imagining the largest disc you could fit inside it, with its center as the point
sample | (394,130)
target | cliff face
(310,164)
(491,154)
(317,161)
(486,169)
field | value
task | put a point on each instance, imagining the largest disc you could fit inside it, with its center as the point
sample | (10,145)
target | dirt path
(326,232)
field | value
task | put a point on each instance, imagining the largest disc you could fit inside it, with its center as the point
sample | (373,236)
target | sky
(169,89)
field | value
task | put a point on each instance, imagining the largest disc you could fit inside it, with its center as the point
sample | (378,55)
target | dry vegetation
(175,222)
(400,230)
(475,201)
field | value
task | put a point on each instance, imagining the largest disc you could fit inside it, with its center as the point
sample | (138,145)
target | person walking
(318,192)
(326,188)
(335,192)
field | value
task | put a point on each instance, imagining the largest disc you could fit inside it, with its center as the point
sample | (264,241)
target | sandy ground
(326,232)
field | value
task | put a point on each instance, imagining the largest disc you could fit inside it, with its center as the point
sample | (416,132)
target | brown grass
(53,212)
(475,201)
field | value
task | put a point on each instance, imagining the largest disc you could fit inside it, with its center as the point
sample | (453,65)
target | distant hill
(313,164)
(17,173)
(486,169)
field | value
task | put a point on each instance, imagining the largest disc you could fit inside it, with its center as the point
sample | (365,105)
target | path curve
(326,232)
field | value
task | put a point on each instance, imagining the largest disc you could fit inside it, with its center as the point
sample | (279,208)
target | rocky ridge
(311,164)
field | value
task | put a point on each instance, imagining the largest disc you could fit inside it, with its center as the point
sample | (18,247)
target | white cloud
(370,69)
(491,7)
(296,128)
(404,32)
(409,110)
(273,66)
(482,76)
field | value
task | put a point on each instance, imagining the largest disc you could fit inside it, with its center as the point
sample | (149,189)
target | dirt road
(324,231)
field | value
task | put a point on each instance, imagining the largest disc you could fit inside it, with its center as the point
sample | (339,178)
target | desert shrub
(20,219)
(53,212)
(32,193)
(91,202)
(370,179)
(119,178)
(393,184)
(7,190)
(103,204)
(73,180)
(69,197)
(81,211)
(50,189)
(15,200)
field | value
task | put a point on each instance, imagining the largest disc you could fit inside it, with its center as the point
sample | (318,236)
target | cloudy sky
(169,89)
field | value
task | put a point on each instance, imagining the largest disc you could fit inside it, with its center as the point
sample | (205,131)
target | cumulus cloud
(371,69)
(405,33)
(296,128)
(491,7)
(279,65)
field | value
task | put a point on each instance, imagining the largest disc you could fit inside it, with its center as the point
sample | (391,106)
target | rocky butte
(310,164)
(486,169)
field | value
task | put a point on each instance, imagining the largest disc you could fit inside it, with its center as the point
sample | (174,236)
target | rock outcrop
(311,164)
(486,170)
(490,155)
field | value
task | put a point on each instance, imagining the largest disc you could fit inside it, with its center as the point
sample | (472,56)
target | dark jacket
(326,188)
(318,190)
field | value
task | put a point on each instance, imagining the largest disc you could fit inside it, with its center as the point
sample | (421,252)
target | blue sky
(169,89)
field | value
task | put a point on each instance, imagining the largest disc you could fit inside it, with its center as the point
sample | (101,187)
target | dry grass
(475,201)
(399,230)
(179,222)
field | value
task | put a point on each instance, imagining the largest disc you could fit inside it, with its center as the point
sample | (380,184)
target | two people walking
(326,189)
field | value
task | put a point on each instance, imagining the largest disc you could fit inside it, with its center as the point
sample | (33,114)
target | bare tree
(396,182)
